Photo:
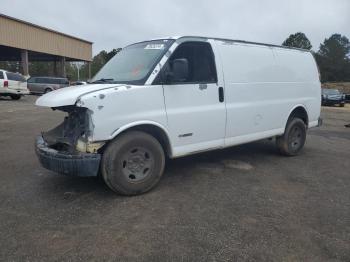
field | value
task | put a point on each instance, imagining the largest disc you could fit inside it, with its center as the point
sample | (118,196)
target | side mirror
(180,70)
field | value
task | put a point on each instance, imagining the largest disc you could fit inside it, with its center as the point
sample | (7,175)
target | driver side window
(201,62)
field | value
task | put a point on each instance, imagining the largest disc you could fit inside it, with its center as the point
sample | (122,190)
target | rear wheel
(133,163)
(293,139)
(47,90)
(15,97)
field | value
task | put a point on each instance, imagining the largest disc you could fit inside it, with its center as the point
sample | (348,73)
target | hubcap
(295,138)
(137,164)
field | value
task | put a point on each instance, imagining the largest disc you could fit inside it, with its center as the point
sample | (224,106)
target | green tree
(333,58)
(41,68)
(12,66)
(97,63)
(298,40)
(112,53)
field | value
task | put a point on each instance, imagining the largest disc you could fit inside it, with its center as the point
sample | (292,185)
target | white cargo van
(13,85)
(179,96)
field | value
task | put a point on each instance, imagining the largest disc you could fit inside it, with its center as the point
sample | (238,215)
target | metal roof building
(24,41)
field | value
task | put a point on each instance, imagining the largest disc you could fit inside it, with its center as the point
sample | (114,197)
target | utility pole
(78,66)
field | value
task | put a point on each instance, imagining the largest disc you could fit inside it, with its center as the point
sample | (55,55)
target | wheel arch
(154,129)
(299,111)
(48,87)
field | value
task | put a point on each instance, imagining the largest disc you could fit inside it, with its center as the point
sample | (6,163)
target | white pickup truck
(179,96)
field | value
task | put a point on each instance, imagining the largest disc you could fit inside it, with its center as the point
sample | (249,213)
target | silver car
(40,85)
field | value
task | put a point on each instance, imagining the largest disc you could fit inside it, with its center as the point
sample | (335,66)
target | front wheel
(133,163)
(293,139)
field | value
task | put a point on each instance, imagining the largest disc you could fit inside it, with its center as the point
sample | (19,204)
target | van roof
(51,77)
(233,40)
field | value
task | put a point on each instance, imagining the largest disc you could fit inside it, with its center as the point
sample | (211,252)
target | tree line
(97,63)
(333,56)
(333,60)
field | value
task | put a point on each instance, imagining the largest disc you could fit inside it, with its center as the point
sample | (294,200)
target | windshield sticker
(136,70)
(154,46)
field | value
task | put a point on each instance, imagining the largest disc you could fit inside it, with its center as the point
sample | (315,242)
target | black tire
(47,90)
(15,97)
(342,105)
(293,139)
(133,163)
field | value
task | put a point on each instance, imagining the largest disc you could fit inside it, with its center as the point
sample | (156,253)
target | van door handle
(221,94)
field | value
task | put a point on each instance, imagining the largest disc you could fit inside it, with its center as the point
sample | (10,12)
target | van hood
(69,95)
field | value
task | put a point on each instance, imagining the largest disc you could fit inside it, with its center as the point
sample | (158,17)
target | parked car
(78,83)
(332,97)
(40,85)
(347,98)
(13,85)
(175,97)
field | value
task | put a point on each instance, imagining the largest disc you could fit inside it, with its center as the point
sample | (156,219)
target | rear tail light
(6,83)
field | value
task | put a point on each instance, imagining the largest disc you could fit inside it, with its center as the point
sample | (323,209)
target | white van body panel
(262,85)
(70,95)
(113,109)
(141,123)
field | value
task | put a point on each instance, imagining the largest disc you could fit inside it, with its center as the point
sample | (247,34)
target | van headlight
(85,146)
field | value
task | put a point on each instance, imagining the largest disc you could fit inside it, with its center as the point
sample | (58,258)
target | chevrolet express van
(179,96)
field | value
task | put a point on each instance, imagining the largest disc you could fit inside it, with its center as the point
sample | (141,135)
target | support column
(63,66)
(89,66)
(24,62)
(55,71)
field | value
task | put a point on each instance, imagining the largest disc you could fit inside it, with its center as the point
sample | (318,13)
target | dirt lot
(246,203)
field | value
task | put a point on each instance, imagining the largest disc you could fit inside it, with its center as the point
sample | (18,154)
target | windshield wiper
(102,81)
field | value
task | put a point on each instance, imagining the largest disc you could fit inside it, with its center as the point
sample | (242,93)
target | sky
(113,24)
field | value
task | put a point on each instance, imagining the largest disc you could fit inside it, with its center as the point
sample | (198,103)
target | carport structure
(24,41)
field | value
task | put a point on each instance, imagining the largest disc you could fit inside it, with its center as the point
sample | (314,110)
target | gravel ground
(245,203)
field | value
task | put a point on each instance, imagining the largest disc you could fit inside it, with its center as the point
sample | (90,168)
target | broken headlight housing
(76,126)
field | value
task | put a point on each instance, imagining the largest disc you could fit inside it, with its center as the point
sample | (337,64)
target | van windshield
(133,64)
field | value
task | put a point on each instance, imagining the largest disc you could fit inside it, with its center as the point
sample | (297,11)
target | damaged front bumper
(72,164)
